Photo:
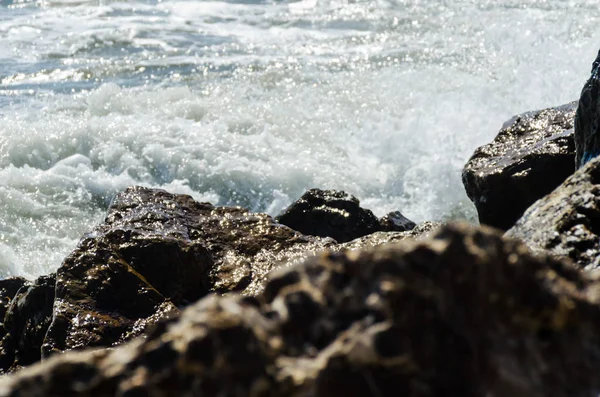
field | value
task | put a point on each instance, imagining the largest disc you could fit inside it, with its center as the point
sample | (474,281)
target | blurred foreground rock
(566,223)
(532,154)
(464,313)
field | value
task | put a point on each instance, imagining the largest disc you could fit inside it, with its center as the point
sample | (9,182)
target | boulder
(8,289)
(566,223)
(330,213)
(463,313)
(25,323)
(156,253)
(396,222)
(533,154)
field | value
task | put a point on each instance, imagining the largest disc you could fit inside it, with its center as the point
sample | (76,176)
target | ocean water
(252,102)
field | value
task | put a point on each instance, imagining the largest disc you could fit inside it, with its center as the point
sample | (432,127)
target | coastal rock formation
(566,223)
(154,254)
(587,119)
(157,252)
(330,213)
(396,222)
(8,289)
(533,154)
(464,313)
(25,323)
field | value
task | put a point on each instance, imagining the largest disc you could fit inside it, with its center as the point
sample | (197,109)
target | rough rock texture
(566,223)
(330,213)
(25,323)
(587,118)
(396,222)
(533,154)
(8,289)
(465,313)
(157,252)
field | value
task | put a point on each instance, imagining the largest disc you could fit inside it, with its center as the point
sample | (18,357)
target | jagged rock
(25,323)
(329,213)
(8,289)
(587,118)
(533,154)
(157,252)
(396,222)
(464,313)
(566,223)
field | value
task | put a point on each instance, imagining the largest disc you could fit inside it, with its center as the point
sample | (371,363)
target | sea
(252,102)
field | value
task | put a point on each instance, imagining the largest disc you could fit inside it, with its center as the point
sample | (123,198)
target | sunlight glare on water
(253,102)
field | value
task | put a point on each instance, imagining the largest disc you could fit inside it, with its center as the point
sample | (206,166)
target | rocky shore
(172,297)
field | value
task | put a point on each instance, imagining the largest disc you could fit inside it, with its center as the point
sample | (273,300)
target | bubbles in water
(253,102)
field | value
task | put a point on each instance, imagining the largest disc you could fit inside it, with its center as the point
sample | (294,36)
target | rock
(464,313)
(396,222)
(533,154)
(587,119)
(8,289)
(329,213)
(25,323)
(566,223)
(423,230)
(155,253)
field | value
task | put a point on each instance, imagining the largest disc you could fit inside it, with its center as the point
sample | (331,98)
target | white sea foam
(252,103)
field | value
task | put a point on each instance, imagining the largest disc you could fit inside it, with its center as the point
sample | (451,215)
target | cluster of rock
(157,253)
(171,297)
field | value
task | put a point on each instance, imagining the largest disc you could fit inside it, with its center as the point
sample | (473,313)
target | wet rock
(8,289)
(26,321)
(157,252)
(587,119)
(396,222)
(329,213)
(464,313)
(566,223)
(533,154)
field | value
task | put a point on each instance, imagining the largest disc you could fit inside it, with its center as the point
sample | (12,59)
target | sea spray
(252,103)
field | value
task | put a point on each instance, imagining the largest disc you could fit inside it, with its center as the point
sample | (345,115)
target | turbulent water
(252,102)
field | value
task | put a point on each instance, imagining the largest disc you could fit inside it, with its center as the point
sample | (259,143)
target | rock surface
(533,154)
(330,213)
(25,323)
(566,223)
(587,118)
(155,253)
(396,222)
(464,313)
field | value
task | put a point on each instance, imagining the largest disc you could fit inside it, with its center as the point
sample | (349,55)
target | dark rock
(26,321)
(465,313)
(566,223)
(422,230)
(533,154)
(155,253)
(8,289)
(396,222)
(330,213)
(587,119)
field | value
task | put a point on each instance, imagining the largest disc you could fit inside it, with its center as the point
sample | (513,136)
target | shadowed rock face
(464,313)
(532,154)
(330,213)
(25,323)
(587,119)
(566,223)
(155,253)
